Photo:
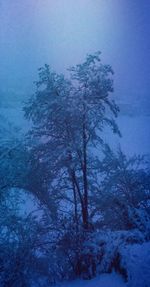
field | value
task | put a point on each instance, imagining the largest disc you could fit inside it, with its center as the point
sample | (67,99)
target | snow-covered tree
(68,118)
(125,191)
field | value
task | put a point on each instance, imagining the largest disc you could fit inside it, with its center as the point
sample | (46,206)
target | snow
(104,280)
(136,259)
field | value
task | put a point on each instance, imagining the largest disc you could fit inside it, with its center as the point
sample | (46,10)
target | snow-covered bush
(102,252)
(136,261)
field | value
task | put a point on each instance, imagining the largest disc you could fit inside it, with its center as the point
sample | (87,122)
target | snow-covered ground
(104,280)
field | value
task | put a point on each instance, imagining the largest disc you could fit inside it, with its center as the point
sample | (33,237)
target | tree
(125,191)
(68,118)
(13,157)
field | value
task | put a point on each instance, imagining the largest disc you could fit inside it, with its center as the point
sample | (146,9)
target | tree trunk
(85,180)
(75,207)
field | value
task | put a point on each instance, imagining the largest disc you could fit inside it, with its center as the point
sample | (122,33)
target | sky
(62,32)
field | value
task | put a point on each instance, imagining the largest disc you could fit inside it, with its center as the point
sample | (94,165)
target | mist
(61,33)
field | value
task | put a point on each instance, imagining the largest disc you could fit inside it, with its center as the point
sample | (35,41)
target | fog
(61,33)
